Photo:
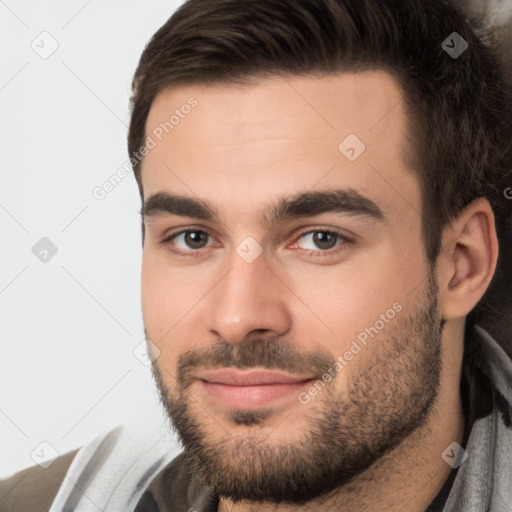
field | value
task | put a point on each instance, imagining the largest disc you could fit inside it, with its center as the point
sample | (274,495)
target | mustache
(269,354)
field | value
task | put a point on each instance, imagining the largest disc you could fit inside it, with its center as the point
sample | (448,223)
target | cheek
(163,300)
(166,295)
(333,305)
(337,303)
(172,298)
(152,290)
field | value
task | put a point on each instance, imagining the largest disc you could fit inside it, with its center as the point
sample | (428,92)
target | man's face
(330,291)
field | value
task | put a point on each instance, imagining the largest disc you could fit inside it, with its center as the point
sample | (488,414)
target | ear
(467,260)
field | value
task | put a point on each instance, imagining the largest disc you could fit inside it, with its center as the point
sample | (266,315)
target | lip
(253,389)
(237,377)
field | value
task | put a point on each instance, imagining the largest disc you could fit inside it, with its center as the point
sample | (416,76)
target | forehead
(281,136)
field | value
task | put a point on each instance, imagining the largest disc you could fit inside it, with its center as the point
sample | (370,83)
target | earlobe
(468,259)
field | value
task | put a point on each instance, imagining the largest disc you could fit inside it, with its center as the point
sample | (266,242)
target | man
(322,187)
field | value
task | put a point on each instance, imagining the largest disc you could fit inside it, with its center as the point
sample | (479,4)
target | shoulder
(34,489)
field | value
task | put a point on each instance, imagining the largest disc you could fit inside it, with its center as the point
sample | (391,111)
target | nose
(250,297)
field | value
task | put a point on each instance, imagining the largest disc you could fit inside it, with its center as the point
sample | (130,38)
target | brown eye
(321,239)
(196,239)
(190,239)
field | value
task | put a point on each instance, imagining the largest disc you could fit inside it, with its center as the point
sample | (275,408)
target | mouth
(251,389)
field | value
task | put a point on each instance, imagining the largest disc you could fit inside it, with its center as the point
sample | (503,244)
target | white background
(69,326)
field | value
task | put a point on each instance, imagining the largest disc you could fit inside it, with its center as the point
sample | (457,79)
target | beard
(348,429)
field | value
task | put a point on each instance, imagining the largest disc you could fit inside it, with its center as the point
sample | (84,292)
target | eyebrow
(305,204)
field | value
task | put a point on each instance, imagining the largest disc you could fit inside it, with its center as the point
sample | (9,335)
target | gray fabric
(482,483)
(112,472)
(484,480)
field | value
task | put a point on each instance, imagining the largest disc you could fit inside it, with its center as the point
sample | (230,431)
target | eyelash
(317,254)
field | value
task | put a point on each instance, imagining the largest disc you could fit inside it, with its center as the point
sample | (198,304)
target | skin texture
(377,430)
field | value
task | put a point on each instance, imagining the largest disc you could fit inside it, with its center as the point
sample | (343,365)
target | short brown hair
(460,111)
